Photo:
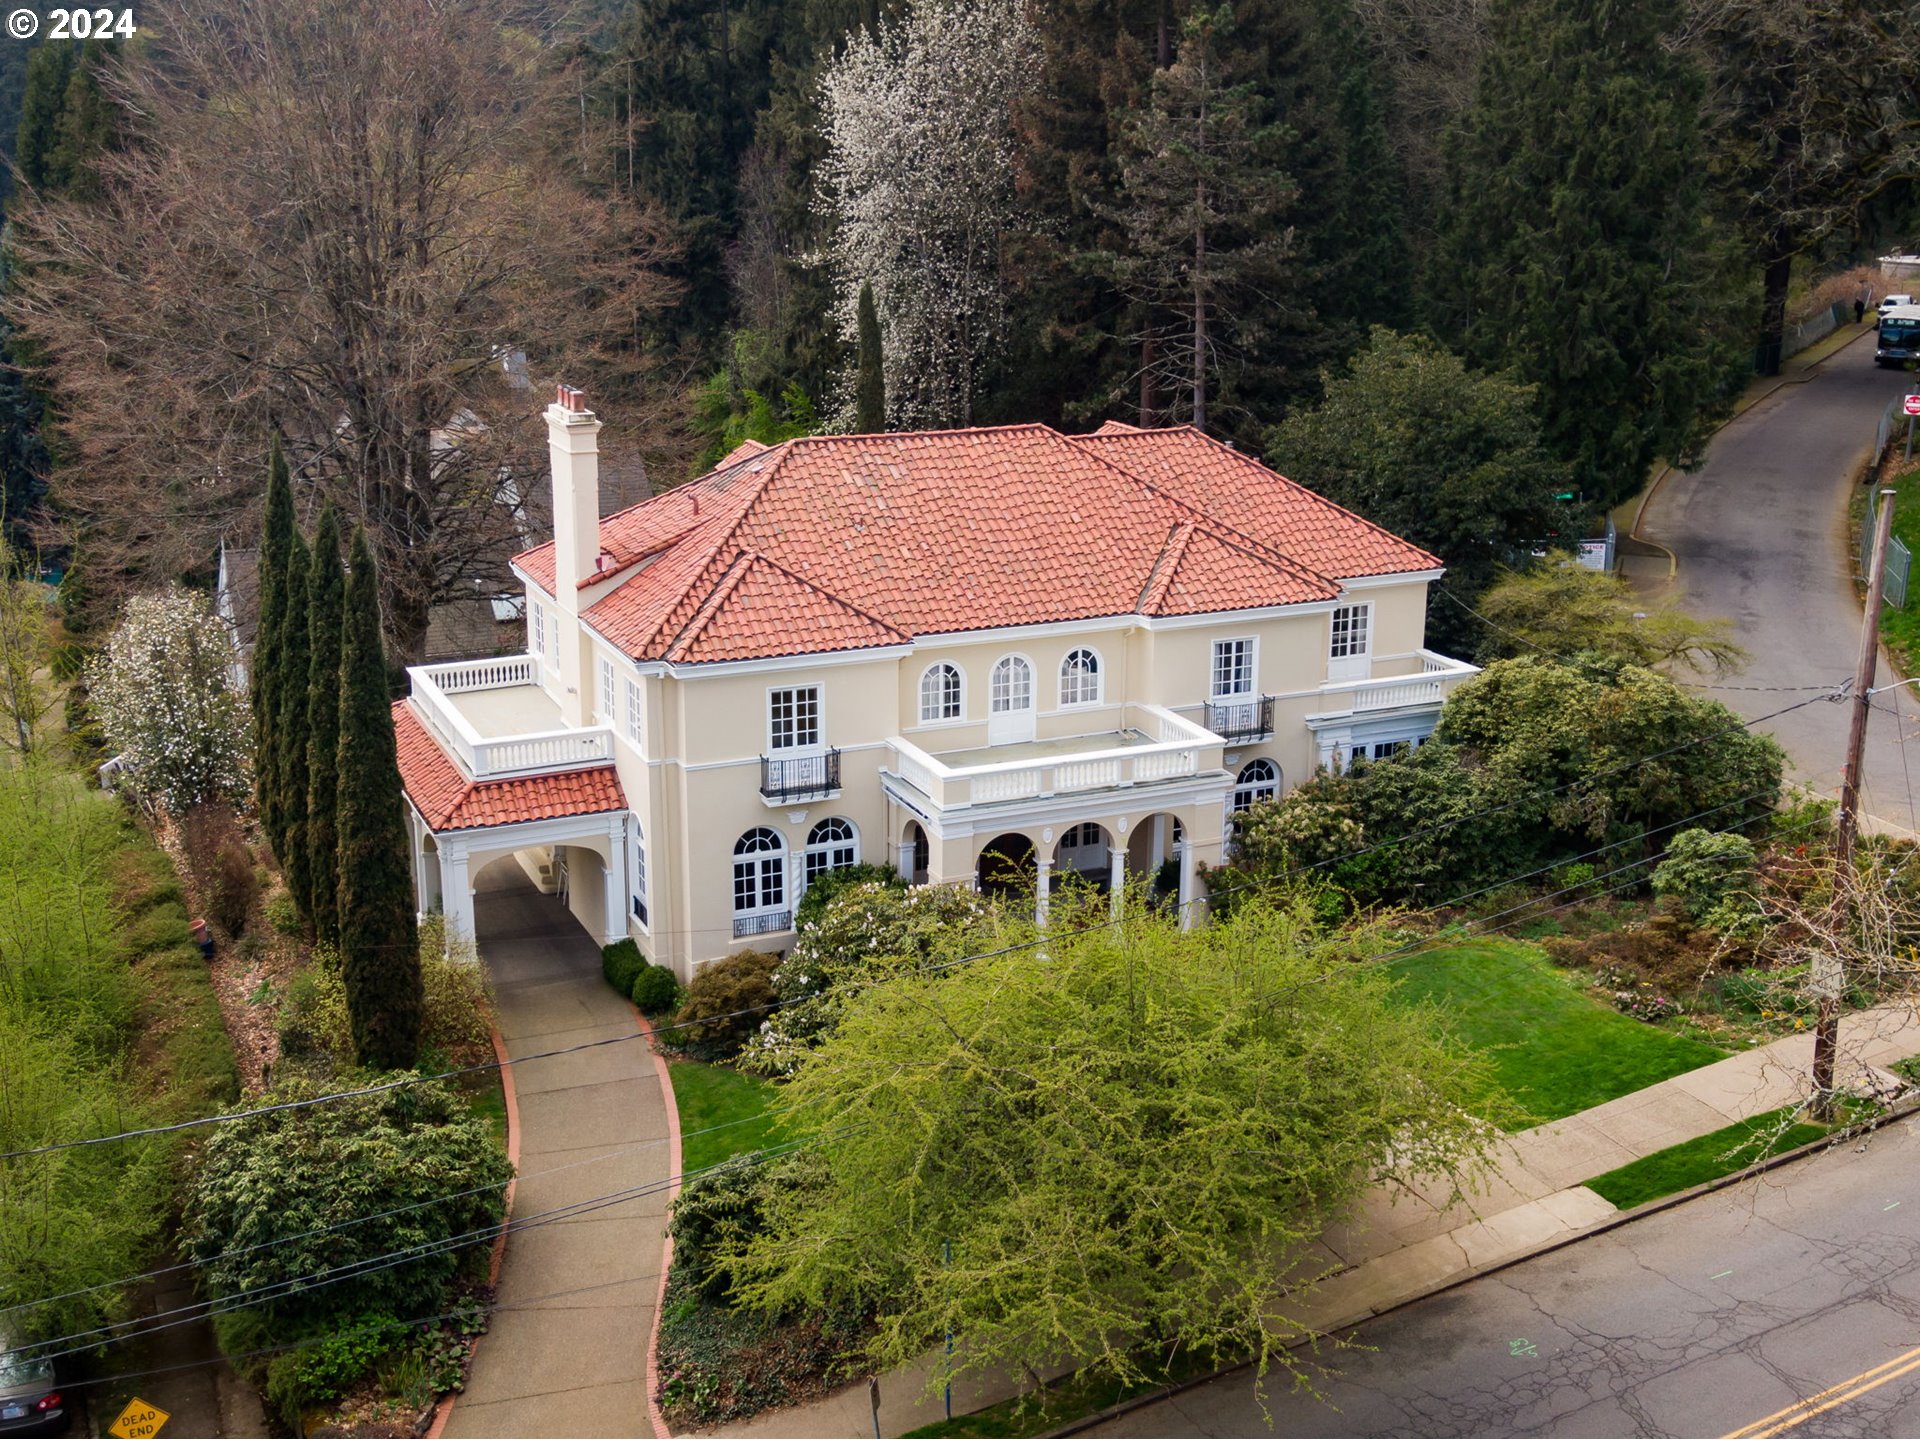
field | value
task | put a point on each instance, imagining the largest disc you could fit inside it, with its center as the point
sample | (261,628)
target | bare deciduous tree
(335,220)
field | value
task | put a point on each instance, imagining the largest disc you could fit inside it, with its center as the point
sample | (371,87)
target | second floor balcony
(1152,746)
(1242,720)
(495,719)
(788,779)
(1423,678)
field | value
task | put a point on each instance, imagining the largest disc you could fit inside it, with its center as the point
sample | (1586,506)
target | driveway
(1760,536)
(567,1351)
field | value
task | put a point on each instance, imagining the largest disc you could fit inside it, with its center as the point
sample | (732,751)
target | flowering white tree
(166,699)
(918,187)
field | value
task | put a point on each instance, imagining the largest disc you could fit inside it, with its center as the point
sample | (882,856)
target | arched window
(940,693)
(1011,687)
(1080,678)
(759,872)
(831,845)
(1259,780)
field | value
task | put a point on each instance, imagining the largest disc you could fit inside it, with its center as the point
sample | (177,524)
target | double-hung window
(537,630)
(606,692)
(1233,668)
(793,718)
(639,875)
(1351,627)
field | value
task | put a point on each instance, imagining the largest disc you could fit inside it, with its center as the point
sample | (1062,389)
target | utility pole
(1829,980)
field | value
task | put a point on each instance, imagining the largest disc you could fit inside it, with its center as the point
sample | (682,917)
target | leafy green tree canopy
(1125,1138)
(1562,608)
(1449,458)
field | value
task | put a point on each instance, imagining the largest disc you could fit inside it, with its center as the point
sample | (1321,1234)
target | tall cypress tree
(379,948)
(290,733)
(326,590)
(870,384)
(276,543)
(1575,251)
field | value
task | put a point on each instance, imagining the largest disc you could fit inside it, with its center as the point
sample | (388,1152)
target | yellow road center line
(1828,1398)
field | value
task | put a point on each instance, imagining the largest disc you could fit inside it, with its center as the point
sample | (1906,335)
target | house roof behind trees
(832,543)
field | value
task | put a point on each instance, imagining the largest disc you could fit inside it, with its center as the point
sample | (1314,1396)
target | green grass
(1552,1047)
(1680,1167)
(487,1099)
(1901,628)
(713,1095)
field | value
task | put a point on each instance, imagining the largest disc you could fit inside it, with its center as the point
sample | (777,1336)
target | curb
(655,1416)
(1899,1110)
(1741,408)
(443,1412)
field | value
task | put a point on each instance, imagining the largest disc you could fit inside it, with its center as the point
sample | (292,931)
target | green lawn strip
(1680,1167)
(1553,1047)
(1900,629)
(487,1099)
(714,1095)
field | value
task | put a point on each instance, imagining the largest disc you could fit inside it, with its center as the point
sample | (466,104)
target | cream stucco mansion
(958,652)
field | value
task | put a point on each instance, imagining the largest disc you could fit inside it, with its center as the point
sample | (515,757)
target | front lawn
(1679,1167)
(1553,1047)
(713,1096)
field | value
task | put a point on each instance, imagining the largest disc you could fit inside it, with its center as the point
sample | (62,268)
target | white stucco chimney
(574,450)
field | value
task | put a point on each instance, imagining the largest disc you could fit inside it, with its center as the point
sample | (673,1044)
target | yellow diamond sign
(139,1421)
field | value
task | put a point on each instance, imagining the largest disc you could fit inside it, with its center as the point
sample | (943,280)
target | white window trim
(1365,607)
(920,695)
(639,903)
(758,858)
(608,696)
(1242,786)
(636,719)
(1099,696)
(1252,642)
(819,745)
(813,848)
(1033,701)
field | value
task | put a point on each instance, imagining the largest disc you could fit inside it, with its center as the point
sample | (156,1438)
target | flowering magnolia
(918,187)
(166,699)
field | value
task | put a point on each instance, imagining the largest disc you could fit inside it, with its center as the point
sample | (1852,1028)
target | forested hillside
(1158,211)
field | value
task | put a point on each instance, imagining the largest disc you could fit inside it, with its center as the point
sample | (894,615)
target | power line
(1028,944)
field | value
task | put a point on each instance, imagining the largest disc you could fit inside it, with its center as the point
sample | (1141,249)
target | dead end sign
(1913,404)
(139,1421)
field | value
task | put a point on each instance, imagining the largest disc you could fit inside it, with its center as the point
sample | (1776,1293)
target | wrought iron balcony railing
(803,777)
(1250,719)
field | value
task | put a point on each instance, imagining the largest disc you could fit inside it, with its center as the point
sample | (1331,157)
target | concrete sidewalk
(574,1365)
(1403,1244)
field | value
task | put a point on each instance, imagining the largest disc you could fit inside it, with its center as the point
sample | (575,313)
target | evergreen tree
(23,452)
(1574,251)
(1205,254)
(870,384)
(88,127)
(277,535)
(49,71)
(290,734)
(326,591)
(379,946)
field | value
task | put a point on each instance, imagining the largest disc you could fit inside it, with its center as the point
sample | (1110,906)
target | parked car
(30,1403)
(1888,302)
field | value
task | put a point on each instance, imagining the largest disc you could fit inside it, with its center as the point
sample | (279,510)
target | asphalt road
(1760,537)
(1751,1310)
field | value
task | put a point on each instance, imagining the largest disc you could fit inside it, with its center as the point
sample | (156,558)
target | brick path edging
(655,1416)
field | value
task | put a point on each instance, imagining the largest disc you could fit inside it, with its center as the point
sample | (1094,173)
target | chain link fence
(1899,558)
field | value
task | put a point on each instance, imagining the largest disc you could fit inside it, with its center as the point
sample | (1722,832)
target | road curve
(1759,533)
(1788,1304)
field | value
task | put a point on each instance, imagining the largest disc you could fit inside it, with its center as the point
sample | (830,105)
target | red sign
(1913,404)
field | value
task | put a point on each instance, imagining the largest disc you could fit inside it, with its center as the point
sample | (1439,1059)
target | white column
(1043,869)
(796,878)
(1116,879)
(416,867)
(904,860)
(456,892)
(1184,851)
(619,876)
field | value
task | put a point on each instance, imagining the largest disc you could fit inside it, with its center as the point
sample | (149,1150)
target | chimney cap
(571,398)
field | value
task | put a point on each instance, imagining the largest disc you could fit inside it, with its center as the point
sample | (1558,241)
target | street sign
(139,1421)
(1913,404)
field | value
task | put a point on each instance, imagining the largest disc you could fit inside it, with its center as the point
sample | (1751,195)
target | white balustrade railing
(497,758)
(1174,755)
(1429,686)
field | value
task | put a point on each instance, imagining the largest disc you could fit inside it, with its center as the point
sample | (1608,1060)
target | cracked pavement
(1698,1320)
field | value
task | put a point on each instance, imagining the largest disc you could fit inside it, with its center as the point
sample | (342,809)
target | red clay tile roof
(447,800)
(844,542)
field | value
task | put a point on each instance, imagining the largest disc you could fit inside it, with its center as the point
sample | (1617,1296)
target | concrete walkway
(574,1364)
(1401,1245)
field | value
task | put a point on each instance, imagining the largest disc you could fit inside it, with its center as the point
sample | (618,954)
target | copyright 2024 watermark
(100,23)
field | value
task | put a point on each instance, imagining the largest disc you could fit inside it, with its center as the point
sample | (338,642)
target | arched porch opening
(1006,865)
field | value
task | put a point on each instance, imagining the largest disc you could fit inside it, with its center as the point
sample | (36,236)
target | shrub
(282,914)
(655,990)
(717,1213)
(297,1194)
(821,891)
(709,1019)
(457,1020)
(621,962)
(236,885)
(1702,870)
(328,1367)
